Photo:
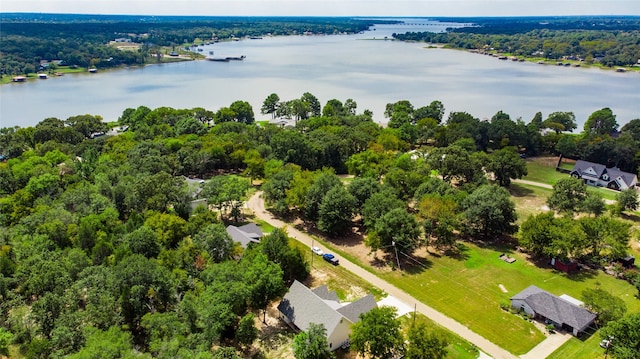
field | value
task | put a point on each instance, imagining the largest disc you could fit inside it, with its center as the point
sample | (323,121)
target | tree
(627,199)
(425,343)
(440,218)
(336,211)
(538,233)
(568,195)
(601,122)
(607,306)
(265,282)
(247,331)
(243,111)
(506,164)
(377,205)
(561,121)
(111,344)
(361,188)
(626,337)
(313,103)
(395,228)
(489,212)
(226,193)
(377,334)
(215,240)
(322,183)
(593,204)
(312,343)
(5,339)
(143,241)
(270,105)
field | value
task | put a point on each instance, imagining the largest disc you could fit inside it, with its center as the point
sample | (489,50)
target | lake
(364,67)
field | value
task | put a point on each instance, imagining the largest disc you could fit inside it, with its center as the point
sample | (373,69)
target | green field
(579,349)
(466,288)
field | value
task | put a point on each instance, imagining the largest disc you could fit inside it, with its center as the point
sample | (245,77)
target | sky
(328,7)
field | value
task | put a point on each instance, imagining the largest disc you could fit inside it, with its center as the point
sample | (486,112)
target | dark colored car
(331,259)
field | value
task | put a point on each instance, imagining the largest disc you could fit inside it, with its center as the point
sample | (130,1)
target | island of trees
(102,251)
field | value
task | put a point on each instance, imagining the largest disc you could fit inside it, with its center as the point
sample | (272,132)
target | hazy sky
(329,7)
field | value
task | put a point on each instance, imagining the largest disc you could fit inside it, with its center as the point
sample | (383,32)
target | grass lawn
(466,288)
(578,349)
(528,199)
(458,348)
(543,170)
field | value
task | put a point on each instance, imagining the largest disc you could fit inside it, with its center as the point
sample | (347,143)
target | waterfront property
(563,312)
(302,306)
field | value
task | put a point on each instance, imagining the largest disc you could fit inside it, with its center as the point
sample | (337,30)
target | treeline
(82,40)
(615,45)
(101,248)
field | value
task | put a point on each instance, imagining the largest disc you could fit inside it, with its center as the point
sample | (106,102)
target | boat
(218,59)
(43,76)
(19,79)
(236,58)
(93,70)
(58,73)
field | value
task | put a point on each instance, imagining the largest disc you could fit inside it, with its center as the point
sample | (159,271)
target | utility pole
(606,352)
(396,250)
(312,242)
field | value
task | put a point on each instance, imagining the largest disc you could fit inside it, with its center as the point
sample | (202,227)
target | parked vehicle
(331,259)
(317,250)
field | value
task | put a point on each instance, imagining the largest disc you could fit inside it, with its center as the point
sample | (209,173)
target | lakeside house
(302,306)
(598,175)
(563,312)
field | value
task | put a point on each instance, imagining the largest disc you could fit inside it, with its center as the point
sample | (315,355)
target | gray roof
(353,310)
(614,173)
(303,306)
(323,292)
(555,308)
(252,229)
(242,237)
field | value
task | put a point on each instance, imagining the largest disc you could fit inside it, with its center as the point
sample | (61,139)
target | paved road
(256,204)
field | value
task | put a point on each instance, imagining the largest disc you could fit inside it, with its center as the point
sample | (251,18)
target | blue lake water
(364,67)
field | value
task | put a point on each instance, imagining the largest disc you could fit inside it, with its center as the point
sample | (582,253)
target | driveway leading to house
(256,205)
(547,346)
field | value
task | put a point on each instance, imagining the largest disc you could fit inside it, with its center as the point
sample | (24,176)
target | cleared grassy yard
(466,287)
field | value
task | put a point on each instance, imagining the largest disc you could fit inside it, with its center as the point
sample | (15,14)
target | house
(249,233)
(302,306)
(595,174)
(561,312)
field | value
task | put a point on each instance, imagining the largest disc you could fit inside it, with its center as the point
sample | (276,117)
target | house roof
(615,174)
(242,237)
(555,308)
(304,306)
(252,229)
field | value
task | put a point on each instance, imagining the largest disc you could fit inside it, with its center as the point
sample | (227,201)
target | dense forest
(82,40)
(609,41)
(103,251)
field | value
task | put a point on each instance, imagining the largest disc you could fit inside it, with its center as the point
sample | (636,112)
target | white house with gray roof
(563,313)
(595,174)
(302,306)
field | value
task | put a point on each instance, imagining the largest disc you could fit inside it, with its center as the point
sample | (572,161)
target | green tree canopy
(377,334)
(312,343)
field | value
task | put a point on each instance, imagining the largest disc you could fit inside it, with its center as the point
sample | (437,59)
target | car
(331,259)
(317,250)
(605,343)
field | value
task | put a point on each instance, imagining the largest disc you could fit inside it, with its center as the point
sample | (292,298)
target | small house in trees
(595,174)
(302,306)
(559,311)
(249,233)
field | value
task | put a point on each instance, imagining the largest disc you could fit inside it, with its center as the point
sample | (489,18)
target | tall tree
(601,122)
(312,343)
(607,306)
(336,210)
(270,105)
(626,336)
(423,343)
(506,164)
(568,195)
(489,212)
(265,282)
(377,334)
